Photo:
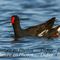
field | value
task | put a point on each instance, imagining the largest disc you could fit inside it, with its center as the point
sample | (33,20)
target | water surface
(31,13)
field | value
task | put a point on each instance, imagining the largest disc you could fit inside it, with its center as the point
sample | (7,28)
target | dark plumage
(53,32)
(33,30)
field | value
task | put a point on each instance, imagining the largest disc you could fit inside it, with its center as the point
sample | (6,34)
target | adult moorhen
(37,30)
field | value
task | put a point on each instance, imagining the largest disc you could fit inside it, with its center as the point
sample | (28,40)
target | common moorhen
(37,30)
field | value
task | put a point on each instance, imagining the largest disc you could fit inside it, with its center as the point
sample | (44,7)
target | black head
(15,20)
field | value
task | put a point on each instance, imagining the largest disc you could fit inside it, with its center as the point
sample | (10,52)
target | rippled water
(31,12)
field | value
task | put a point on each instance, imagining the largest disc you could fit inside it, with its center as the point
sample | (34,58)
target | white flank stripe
(42,33)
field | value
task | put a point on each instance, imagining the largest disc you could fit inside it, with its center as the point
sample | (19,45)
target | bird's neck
(17,31)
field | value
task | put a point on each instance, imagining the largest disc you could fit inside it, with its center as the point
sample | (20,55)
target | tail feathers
(51,21)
